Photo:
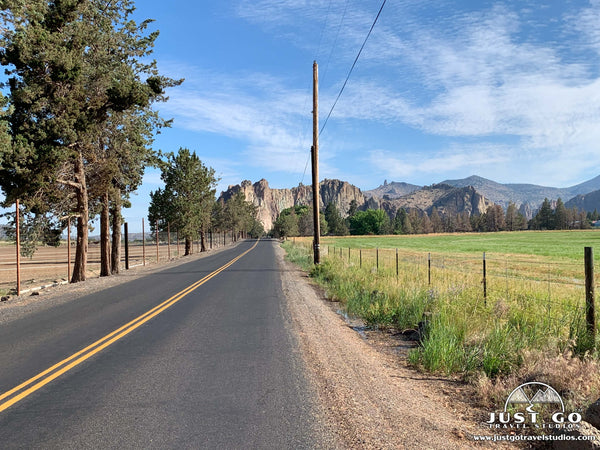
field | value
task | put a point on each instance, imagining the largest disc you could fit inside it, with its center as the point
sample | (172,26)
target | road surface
(194,356)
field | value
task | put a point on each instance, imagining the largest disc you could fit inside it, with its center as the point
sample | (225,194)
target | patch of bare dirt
(371,397)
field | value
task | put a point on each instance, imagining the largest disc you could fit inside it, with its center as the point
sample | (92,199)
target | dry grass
(576,379)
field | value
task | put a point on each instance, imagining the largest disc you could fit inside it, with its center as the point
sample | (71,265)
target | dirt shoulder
(43,299)
(370,395)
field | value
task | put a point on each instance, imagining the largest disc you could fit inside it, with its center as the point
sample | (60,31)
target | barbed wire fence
(493,280)
(50,266)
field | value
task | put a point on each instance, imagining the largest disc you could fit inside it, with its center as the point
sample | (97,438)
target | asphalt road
(218,368)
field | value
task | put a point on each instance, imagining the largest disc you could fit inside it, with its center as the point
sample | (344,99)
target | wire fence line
(53,265)
(490,277)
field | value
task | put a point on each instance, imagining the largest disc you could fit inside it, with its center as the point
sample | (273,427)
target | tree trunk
(115,213)
(104,238)
(202,241)
(188,246)
(80,265)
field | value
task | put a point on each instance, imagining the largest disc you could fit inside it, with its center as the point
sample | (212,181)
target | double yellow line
(43,378)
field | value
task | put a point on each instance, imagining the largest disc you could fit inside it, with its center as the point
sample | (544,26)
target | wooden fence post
(377,257)
(590,315)
(69,249)
(126,246)
(18,238)
(360,257)
(397,271)
(143,244)
(157,255)
(169,240)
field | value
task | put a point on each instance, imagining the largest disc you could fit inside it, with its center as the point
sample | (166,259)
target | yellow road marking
(101,344)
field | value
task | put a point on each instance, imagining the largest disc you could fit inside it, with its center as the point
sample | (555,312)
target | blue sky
(506,90)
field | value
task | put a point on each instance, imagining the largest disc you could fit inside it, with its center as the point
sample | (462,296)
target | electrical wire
(352,68)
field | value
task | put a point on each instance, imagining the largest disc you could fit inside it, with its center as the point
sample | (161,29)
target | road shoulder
(370,397)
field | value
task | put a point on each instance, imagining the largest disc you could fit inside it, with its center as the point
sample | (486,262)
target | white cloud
(414,164)
(252,108)
(464,76)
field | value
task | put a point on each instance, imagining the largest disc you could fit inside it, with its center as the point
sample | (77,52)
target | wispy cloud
(443,69)
(265,116)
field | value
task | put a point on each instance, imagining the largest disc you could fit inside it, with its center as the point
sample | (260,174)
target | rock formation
(271,202)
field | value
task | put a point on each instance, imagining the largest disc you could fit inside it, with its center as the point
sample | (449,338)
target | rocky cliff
(271,202)
(447,199)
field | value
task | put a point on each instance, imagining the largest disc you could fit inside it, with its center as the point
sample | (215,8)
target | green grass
(535,294)
(559,245)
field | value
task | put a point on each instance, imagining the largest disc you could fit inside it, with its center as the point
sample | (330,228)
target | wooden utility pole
(315,166)
(18,237)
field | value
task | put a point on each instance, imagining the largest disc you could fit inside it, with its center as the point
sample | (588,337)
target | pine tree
(70,65)
(436,221)
(187,199)
(335,223)
(560,216)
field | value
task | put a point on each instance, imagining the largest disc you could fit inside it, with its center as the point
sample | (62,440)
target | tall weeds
(463,332)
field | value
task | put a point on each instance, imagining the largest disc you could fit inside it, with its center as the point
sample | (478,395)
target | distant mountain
(528,197)
(446,198)
(392,190)
(586,202)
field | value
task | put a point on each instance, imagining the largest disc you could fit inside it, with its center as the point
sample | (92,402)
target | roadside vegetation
(530,325)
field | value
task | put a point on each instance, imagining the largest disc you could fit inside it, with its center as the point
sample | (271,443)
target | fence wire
(51,265)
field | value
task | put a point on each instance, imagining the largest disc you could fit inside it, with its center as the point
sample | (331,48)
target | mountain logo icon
(534,393)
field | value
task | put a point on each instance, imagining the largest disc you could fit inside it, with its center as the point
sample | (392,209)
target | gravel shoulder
(371,398)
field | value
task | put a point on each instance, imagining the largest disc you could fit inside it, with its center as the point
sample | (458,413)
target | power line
(304,130)
(352,68)
(335,41)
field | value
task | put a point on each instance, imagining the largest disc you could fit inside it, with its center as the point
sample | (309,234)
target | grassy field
(533,309)
(558,245)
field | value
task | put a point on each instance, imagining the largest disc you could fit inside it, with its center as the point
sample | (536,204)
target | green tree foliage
(514,219)
(561,219)
(436,221)
(240,215)
(72,65)
(286,224)
(399,220)
(187,200)
(544,219)
(335,224)
(298,221)
(494,218)
(371,221)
